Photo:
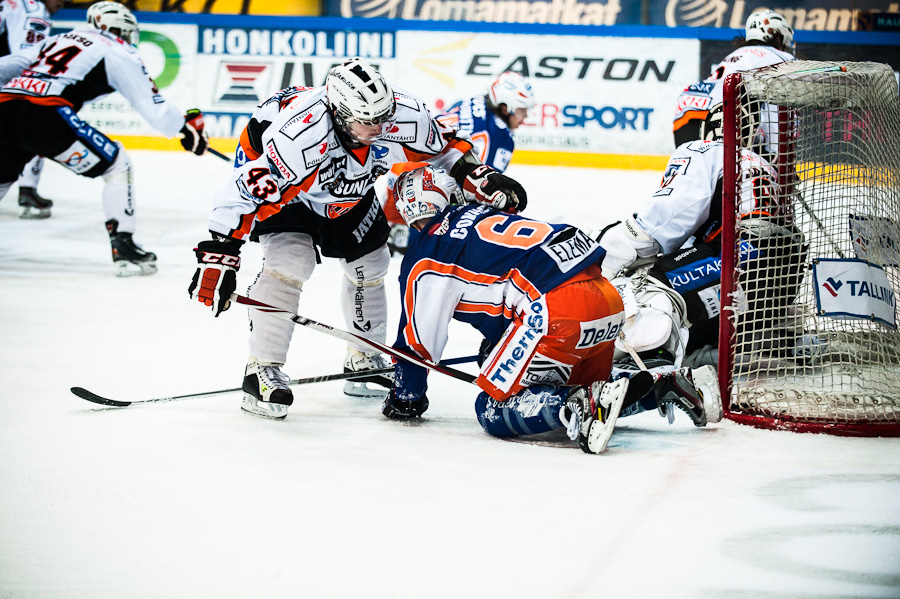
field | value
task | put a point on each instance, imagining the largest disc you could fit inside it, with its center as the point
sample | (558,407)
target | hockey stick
(93,397)
(352,337)
(219,154)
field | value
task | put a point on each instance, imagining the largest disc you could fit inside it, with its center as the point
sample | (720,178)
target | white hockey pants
(288,262)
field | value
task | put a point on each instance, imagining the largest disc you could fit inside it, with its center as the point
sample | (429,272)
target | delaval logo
(600,331)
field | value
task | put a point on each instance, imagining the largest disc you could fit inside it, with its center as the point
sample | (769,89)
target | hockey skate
(695,392)
(266,391)
(358,361)
(33,205)
(129,258)
(590,413)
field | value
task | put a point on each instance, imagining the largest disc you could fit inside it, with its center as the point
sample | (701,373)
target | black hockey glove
(485,185)
(400,409)
(193,137)
(216,276)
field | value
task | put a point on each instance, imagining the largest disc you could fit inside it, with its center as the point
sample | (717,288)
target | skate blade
(124,268)
(272,411)
(706,382)
(32,213)
(354,389)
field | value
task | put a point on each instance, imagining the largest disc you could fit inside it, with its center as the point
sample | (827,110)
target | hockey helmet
(512,89)
(357,93)
(423,192)
(771,28)
(115,18)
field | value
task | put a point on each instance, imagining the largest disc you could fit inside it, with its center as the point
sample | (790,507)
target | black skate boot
(128,257)
(266,391)
(694,391)
(33,205)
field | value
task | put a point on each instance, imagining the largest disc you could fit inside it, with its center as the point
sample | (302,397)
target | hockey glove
(485,185)
(399,409)
(216,276)
(193,137)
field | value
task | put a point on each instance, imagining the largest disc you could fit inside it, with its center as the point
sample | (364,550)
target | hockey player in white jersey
(768,40)
(24,23)
(42,91)
(535,291)
(665,260)
(303,186)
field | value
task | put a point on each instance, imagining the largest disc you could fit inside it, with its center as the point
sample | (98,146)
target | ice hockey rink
(197,499)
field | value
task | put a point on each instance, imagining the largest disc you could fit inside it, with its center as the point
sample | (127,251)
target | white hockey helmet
(115,18)
(357,93)
(770,27)
(512,89)
(423,192)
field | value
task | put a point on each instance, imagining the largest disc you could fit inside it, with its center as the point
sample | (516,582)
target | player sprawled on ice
(489,121)
(536,293)
(24,23)
(768,40)
(43,90)
(303,186)
(665,260)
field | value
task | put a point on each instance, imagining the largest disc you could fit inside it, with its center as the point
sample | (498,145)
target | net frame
(846,390)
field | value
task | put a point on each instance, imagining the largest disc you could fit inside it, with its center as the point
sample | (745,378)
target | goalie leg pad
(655,316)
(288,261)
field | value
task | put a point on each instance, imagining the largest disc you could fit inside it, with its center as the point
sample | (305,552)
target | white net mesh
(815,334)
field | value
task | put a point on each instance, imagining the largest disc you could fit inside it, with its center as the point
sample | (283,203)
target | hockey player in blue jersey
(535,292)
(489,121)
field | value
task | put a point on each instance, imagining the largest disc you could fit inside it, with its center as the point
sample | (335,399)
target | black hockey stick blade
(85,394)
(219,154)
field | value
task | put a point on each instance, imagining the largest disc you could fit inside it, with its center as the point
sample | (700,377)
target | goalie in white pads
(44,88)
(665,260)
(535,292)
(303,186)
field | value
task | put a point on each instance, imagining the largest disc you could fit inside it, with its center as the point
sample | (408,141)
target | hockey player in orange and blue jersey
(536,293)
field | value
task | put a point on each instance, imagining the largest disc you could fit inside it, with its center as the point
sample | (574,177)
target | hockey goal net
(810,281)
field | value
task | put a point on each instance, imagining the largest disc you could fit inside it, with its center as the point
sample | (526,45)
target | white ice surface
(196,499)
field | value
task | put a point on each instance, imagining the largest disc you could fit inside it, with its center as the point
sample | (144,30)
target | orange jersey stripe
(245,145)
(428,266)
(266,210)
(39,100)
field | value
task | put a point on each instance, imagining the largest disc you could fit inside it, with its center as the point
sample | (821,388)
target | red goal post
(808,337)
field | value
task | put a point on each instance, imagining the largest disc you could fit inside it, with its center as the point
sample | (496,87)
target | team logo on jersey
(338,209)
(675,167)
(600,331)
(342,187)
(692,102)
(243,82)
